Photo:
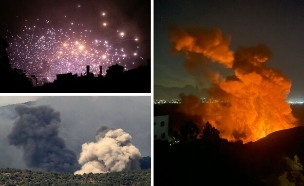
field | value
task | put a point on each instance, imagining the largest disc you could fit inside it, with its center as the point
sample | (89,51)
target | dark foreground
(10,176)
(276,159)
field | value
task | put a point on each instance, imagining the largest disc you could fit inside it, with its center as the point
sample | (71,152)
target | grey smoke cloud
(36,132)
(10,156)
(80,118)
(111,152)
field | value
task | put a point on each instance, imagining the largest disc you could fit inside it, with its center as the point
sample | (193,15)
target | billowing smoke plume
(36,132)
(247,105)
(112,151)
(208,42)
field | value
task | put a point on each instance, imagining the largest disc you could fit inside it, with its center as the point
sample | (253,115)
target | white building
(161,124)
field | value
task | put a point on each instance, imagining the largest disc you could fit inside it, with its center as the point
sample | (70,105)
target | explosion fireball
(252,101)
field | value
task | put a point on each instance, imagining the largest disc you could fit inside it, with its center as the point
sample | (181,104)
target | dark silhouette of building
(65,78)
(100,71)
(115,81)
(115,71)
(88,73)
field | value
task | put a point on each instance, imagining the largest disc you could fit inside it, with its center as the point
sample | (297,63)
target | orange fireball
(252,102)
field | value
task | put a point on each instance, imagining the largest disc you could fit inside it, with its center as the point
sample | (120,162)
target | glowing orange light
(247,105)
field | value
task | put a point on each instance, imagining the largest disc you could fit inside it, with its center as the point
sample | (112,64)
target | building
(115,71)
(161,125)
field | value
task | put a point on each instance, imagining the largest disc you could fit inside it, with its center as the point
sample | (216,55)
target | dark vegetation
(203,158)
(10,176)
(212,160)
(11,79)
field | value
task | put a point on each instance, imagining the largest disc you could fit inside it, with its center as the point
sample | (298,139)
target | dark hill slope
(289,142)
(211,161)
(266,158)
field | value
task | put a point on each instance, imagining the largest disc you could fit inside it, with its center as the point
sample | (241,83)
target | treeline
(13,177)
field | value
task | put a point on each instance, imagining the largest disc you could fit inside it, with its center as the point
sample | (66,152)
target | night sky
(277,24)
(50,37)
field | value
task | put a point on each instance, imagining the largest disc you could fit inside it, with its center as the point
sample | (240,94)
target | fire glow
(254,96)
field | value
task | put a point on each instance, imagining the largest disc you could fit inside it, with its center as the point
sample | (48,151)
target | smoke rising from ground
(80,119)
(252,101)
(112,151)
(36,132)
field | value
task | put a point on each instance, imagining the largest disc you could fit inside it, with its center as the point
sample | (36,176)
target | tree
(209,132)
(189,131)
(11,80)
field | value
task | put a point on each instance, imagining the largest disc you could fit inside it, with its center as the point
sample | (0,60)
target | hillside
(161,92)
(288,141)
(276,159)
(10,176)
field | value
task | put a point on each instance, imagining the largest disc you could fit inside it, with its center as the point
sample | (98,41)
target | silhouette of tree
(11,80)
(209,132)
(4,60)
(34,78)
(189,131)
